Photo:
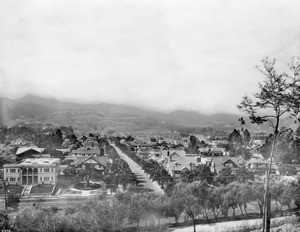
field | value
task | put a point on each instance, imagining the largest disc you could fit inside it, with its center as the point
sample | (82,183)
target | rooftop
(41,161)
(24,149)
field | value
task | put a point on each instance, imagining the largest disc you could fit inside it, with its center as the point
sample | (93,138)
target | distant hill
(36,110)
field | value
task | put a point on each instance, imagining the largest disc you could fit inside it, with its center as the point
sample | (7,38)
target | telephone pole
(5,200)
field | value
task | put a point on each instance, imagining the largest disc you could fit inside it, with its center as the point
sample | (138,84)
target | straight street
(139,172)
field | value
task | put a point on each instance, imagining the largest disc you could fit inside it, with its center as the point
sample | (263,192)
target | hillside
(36,110)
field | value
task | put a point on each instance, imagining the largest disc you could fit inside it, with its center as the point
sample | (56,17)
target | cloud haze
(159,54)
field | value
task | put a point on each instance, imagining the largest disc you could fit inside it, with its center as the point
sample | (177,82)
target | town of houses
(27,165)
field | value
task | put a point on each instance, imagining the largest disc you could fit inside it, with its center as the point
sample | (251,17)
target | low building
(257,164)
(32,171)
(84,152)
(28,152)
(212,151)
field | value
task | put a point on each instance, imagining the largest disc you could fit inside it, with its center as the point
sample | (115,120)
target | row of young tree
(194,202)
(154,169)
(196,173)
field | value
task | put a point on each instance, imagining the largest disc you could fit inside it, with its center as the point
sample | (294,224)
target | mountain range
(44,111)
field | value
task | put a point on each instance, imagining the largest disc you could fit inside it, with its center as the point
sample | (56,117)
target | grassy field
(41,189)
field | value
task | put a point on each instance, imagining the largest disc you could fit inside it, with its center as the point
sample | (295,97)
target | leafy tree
(245,195)
(246,136)
(102,152)
(193,146)
(70,171)
(4,221)
(287,196)
(287,169)
(73,139)
(153,140)
(270,104)
(13,200)
(129,138)
(214,202)
(225,176)
(257,192)
(138,207)
(192,197)
(171,206)
(235,137)
(277,190)
(232,197)
(221,202)
(197,173)
(246,154)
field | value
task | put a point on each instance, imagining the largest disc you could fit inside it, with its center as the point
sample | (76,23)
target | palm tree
(244,175)
(88,173)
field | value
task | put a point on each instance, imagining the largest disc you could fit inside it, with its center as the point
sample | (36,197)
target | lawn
(42,189)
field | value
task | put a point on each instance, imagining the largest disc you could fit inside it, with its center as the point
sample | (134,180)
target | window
(12,179)
(52,178)
(13,170)
(46,170)
(41,179)
(51,169)
(41,170)
(46,178)
(6,170)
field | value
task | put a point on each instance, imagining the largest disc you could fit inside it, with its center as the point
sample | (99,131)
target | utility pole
(5,200)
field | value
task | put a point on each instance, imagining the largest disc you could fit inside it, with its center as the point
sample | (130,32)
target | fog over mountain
(37,110)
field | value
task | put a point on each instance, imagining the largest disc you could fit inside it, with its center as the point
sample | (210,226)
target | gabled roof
(221,160)
(181,162)
(102,160)
(174,154)
(24,149)
(181,153)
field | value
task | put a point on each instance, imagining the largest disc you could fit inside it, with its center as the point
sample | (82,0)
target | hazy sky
(160,54)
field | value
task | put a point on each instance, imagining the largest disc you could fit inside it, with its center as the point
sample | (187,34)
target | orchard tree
(273,100)
(192,197)
(225,176)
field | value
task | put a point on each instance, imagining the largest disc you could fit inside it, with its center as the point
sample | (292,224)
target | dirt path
(139,172)
(226,226)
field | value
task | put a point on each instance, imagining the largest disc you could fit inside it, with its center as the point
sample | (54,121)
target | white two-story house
(32,171)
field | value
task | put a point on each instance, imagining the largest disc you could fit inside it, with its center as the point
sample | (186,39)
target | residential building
(167,153)
(32,171)
(85,152)
(100,163)
(28,152)
(256,164)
